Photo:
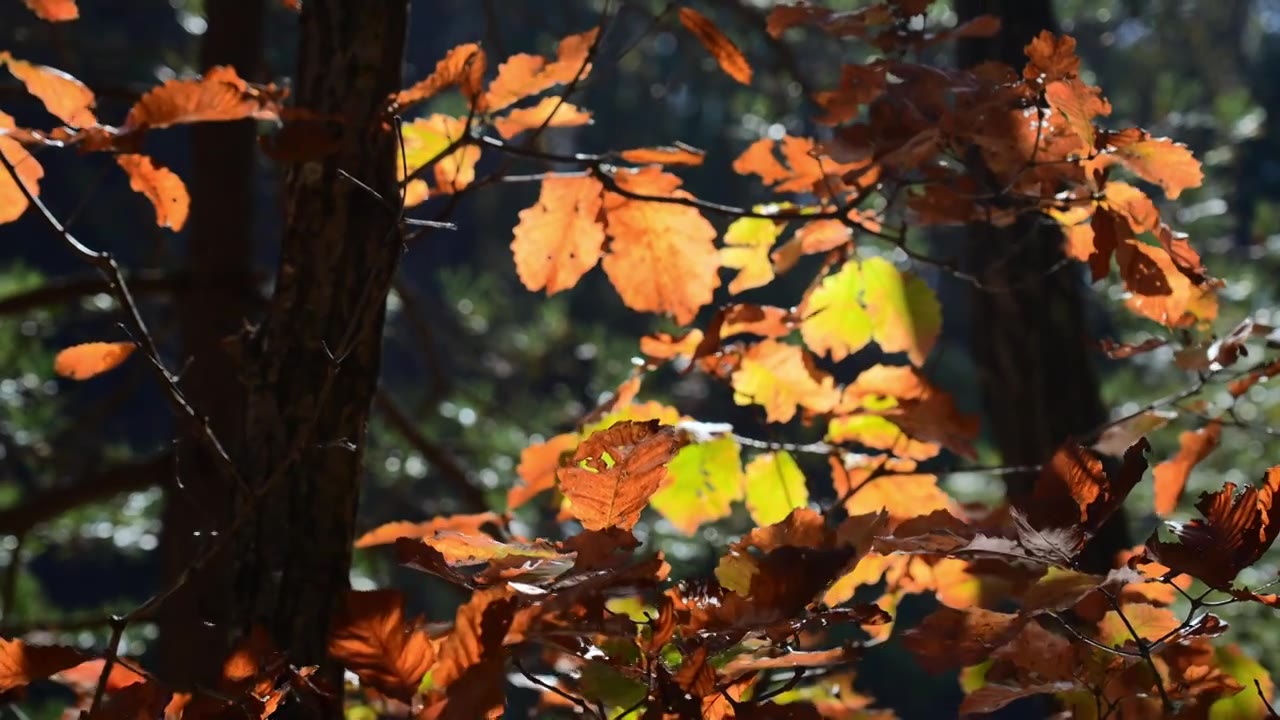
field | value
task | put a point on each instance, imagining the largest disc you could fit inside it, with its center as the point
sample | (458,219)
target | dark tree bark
(312,365)
(1038,382)
(219,248)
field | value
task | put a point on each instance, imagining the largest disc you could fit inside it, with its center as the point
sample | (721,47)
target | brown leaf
(731,60)
(1237,529)
(1074,490)
(161,186)
(54,10)
(372,639)
(81,362)
(467,680)
(950,639)
(462,66)
(1171,475)
(63,96)
(220,95)
(616,470)
(22,664)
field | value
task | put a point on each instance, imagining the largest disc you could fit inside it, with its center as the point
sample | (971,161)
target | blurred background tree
(474,368)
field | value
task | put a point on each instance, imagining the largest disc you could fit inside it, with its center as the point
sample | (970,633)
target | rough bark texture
(1038,382)
(218,248)
(313,363)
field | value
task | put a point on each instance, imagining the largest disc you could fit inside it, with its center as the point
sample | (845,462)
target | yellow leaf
(747,243)
(780,378)
(774,487)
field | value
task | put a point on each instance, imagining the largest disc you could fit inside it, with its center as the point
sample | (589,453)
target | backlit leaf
(220,95)
(835,321)
(747,243)
(1156,160)
(903,308)
(616,471)
(1171,475)
(549,112)
(782,378)
(372,639)
(462,66)
(81,362)
(54,10)
(663,257)
(13,202)
(682,155)
(466,683)
(63,96)
(388,533)
(22,663)
(161,186)
(731,60)
(523,75)
(426,140)
(560,238)
(704,479)
(537,468)
(775,486)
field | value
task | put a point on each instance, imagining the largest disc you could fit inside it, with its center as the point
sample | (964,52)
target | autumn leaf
(467,680)
(1171,475)
(950,639)
(428,140)
(81,362)
(747,243)
(1237,529)
(65,97)
(1157,160)
(1051,57)
(775,486)
(674,155)
(560,238)
(1080,104)
(811,238)
(616,471)
(663,257)
(904,310)
(1075,491)
(835,321)
(523,75)
(372,639)
(161,186)
(782,378)
(462,548)
(549,112)
(13,201)
(388,533)
(462,66)
(806,170)
(220,95)
(730,58)
(537,468)
(704,479)
(22,663)
(859,86)
(901,495)
(54,10)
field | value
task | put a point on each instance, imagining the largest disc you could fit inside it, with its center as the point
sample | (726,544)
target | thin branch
(57,292)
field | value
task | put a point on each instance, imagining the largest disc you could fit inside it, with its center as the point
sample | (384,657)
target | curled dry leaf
(161,186)
(81,362)
(730,58)
(65,97)
(616,471)
(220,95)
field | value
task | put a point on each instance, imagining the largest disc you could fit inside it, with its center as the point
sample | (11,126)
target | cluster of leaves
(912,146)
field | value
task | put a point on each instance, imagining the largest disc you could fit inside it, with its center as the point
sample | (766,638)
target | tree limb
(125,477)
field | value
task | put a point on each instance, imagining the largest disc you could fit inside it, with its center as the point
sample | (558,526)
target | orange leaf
(1171,475)
(1159,290)
(781,378)
(160,185)
(537,468)
(560,238)
(390,532)
(731,60)
(81,362)
(1156,160)
(523,75)
(54,10)
(663,256)
(13,202)
(549,112)
(807,168)
(221,95)
(467,681)
(616,471)
(679,155)
(1074,490)
(371,639)
(21,663)
(463,66)
(63,96)
(428,140)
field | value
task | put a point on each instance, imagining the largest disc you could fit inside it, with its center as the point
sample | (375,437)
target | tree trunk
(219,261)
(312,366)
(1038,383)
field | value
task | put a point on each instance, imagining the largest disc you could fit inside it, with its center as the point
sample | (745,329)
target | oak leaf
(727,55)
(808,168)
(949,638)
(372,639)
(616,471)
(22,663)
(523,75)
(220,95)
(747,242)
(81,362)
(559,238)
(663,257)
(437,139)
(835,321)
(782,378)
(161,186)
(65,97)
(1171,475)
(1156,160)
(903,308)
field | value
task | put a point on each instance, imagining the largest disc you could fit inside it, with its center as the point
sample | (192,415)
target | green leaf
(835,321)
(775,487)
(705,479)
(602,682)
(904,310)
